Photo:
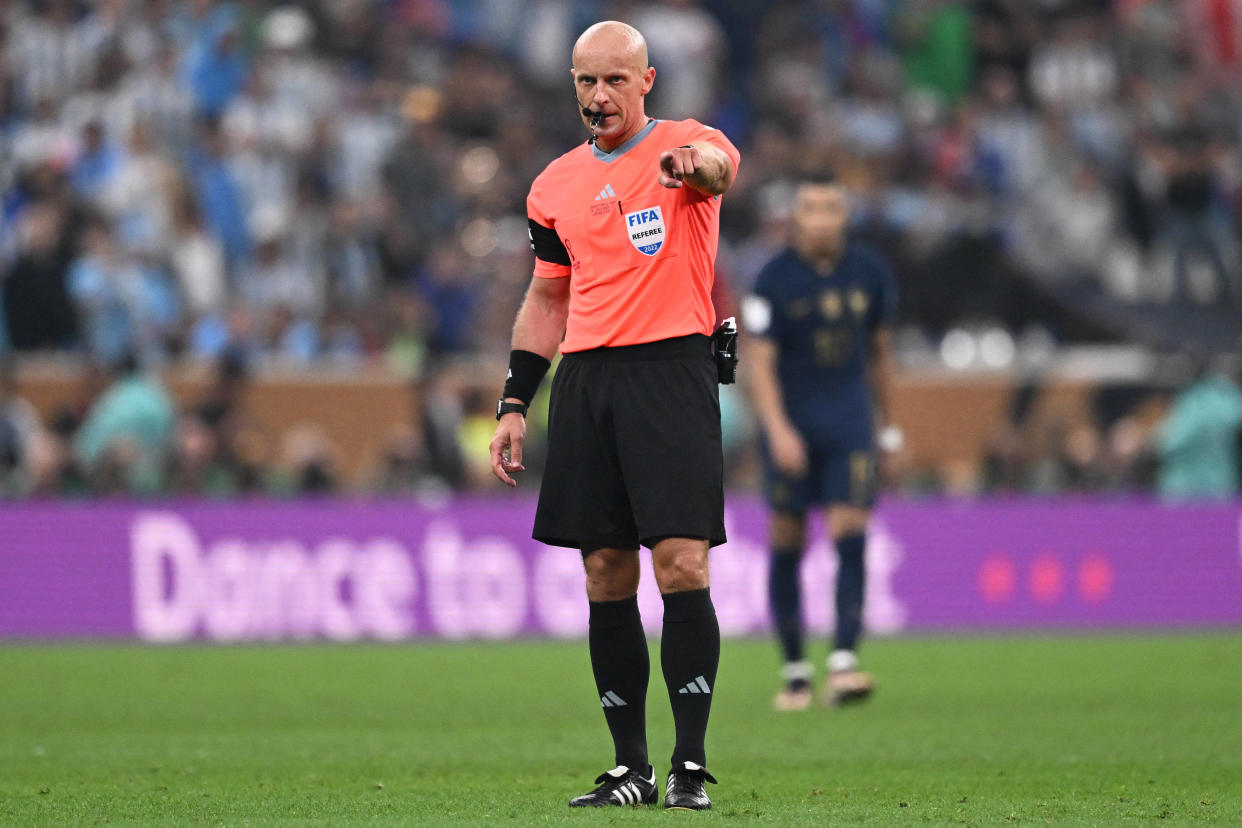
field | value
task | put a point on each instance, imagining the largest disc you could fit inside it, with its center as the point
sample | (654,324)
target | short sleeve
(758,308)
(551,257)
(692,131)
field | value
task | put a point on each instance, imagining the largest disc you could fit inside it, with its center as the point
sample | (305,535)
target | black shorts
(633,448)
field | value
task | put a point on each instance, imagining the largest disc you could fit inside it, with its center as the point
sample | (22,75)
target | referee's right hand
(506,448)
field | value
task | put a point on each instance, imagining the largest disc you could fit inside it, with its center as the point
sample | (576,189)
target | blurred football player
(818,366)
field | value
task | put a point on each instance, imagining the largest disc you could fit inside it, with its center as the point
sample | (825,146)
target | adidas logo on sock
(606,193)
(611,699)
(699,685)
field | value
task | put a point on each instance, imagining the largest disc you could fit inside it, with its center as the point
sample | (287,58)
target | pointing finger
(668,181)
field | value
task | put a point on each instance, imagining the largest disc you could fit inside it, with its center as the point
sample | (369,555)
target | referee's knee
(680,564)
(611,574)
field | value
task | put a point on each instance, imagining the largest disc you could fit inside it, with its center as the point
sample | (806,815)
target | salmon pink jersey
(641,257)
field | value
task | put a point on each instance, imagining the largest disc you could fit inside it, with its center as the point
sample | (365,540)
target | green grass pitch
(978,731)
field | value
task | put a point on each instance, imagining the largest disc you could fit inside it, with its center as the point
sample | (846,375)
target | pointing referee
(624,229)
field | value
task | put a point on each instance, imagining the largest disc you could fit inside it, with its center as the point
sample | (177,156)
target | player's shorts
(634,452)
(842,473)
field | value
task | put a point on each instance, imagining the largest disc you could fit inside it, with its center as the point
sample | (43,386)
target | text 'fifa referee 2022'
(624,229)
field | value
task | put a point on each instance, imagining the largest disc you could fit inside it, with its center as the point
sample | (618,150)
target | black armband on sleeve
(526,370)
(546,244)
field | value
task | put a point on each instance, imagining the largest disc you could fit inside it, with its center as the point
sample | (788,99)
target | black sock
(689,655)
(622,668)
(851,584)
(785,599)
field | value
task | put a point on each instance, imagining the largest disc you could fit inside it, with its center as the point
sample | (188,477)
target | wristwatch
(503,408)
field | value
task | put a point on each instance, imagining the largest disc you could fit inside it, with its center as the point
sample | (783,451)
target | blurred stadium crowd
(343,182)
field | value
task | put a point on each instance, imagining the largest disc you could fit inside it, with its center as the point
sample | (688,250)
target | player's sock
(785,599)
(622,668)
(689,655)
(851,583)
(842,661)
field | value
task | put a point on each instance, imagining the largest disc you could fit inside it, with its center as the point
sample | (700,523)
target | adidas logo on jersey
(698,687)
(606,193)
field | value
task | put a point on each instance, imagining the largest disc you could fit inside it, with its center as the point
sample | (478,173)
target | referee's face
(820,217)
(610,77)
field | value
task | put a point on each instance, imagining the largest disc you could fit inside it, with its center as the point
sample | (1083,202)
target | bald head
(615,39)
(611,78)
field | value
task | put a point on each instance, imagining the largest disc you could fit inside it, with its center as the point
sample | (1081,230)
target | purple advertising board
(173,571)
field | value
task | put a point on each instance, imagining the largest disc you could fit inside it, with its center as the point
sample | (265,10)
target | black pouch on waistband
(724,346)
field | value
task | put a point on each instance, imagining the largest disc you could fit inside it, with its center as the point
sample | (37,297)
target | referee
(624,229)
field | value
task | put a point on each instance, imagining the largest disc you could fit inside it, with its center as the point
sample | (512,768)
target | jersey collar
(617,152)
(836,268)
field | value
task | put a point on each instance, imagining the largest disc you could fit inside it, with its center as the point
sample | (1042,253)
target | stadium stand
(331,197)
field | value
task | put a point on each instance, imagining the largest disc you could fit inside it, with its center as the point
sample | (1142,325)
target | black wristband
(526,370)
(503,408)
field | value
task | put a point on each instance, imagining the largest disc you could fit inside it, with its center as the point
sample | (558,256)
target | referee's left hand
(676,165)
